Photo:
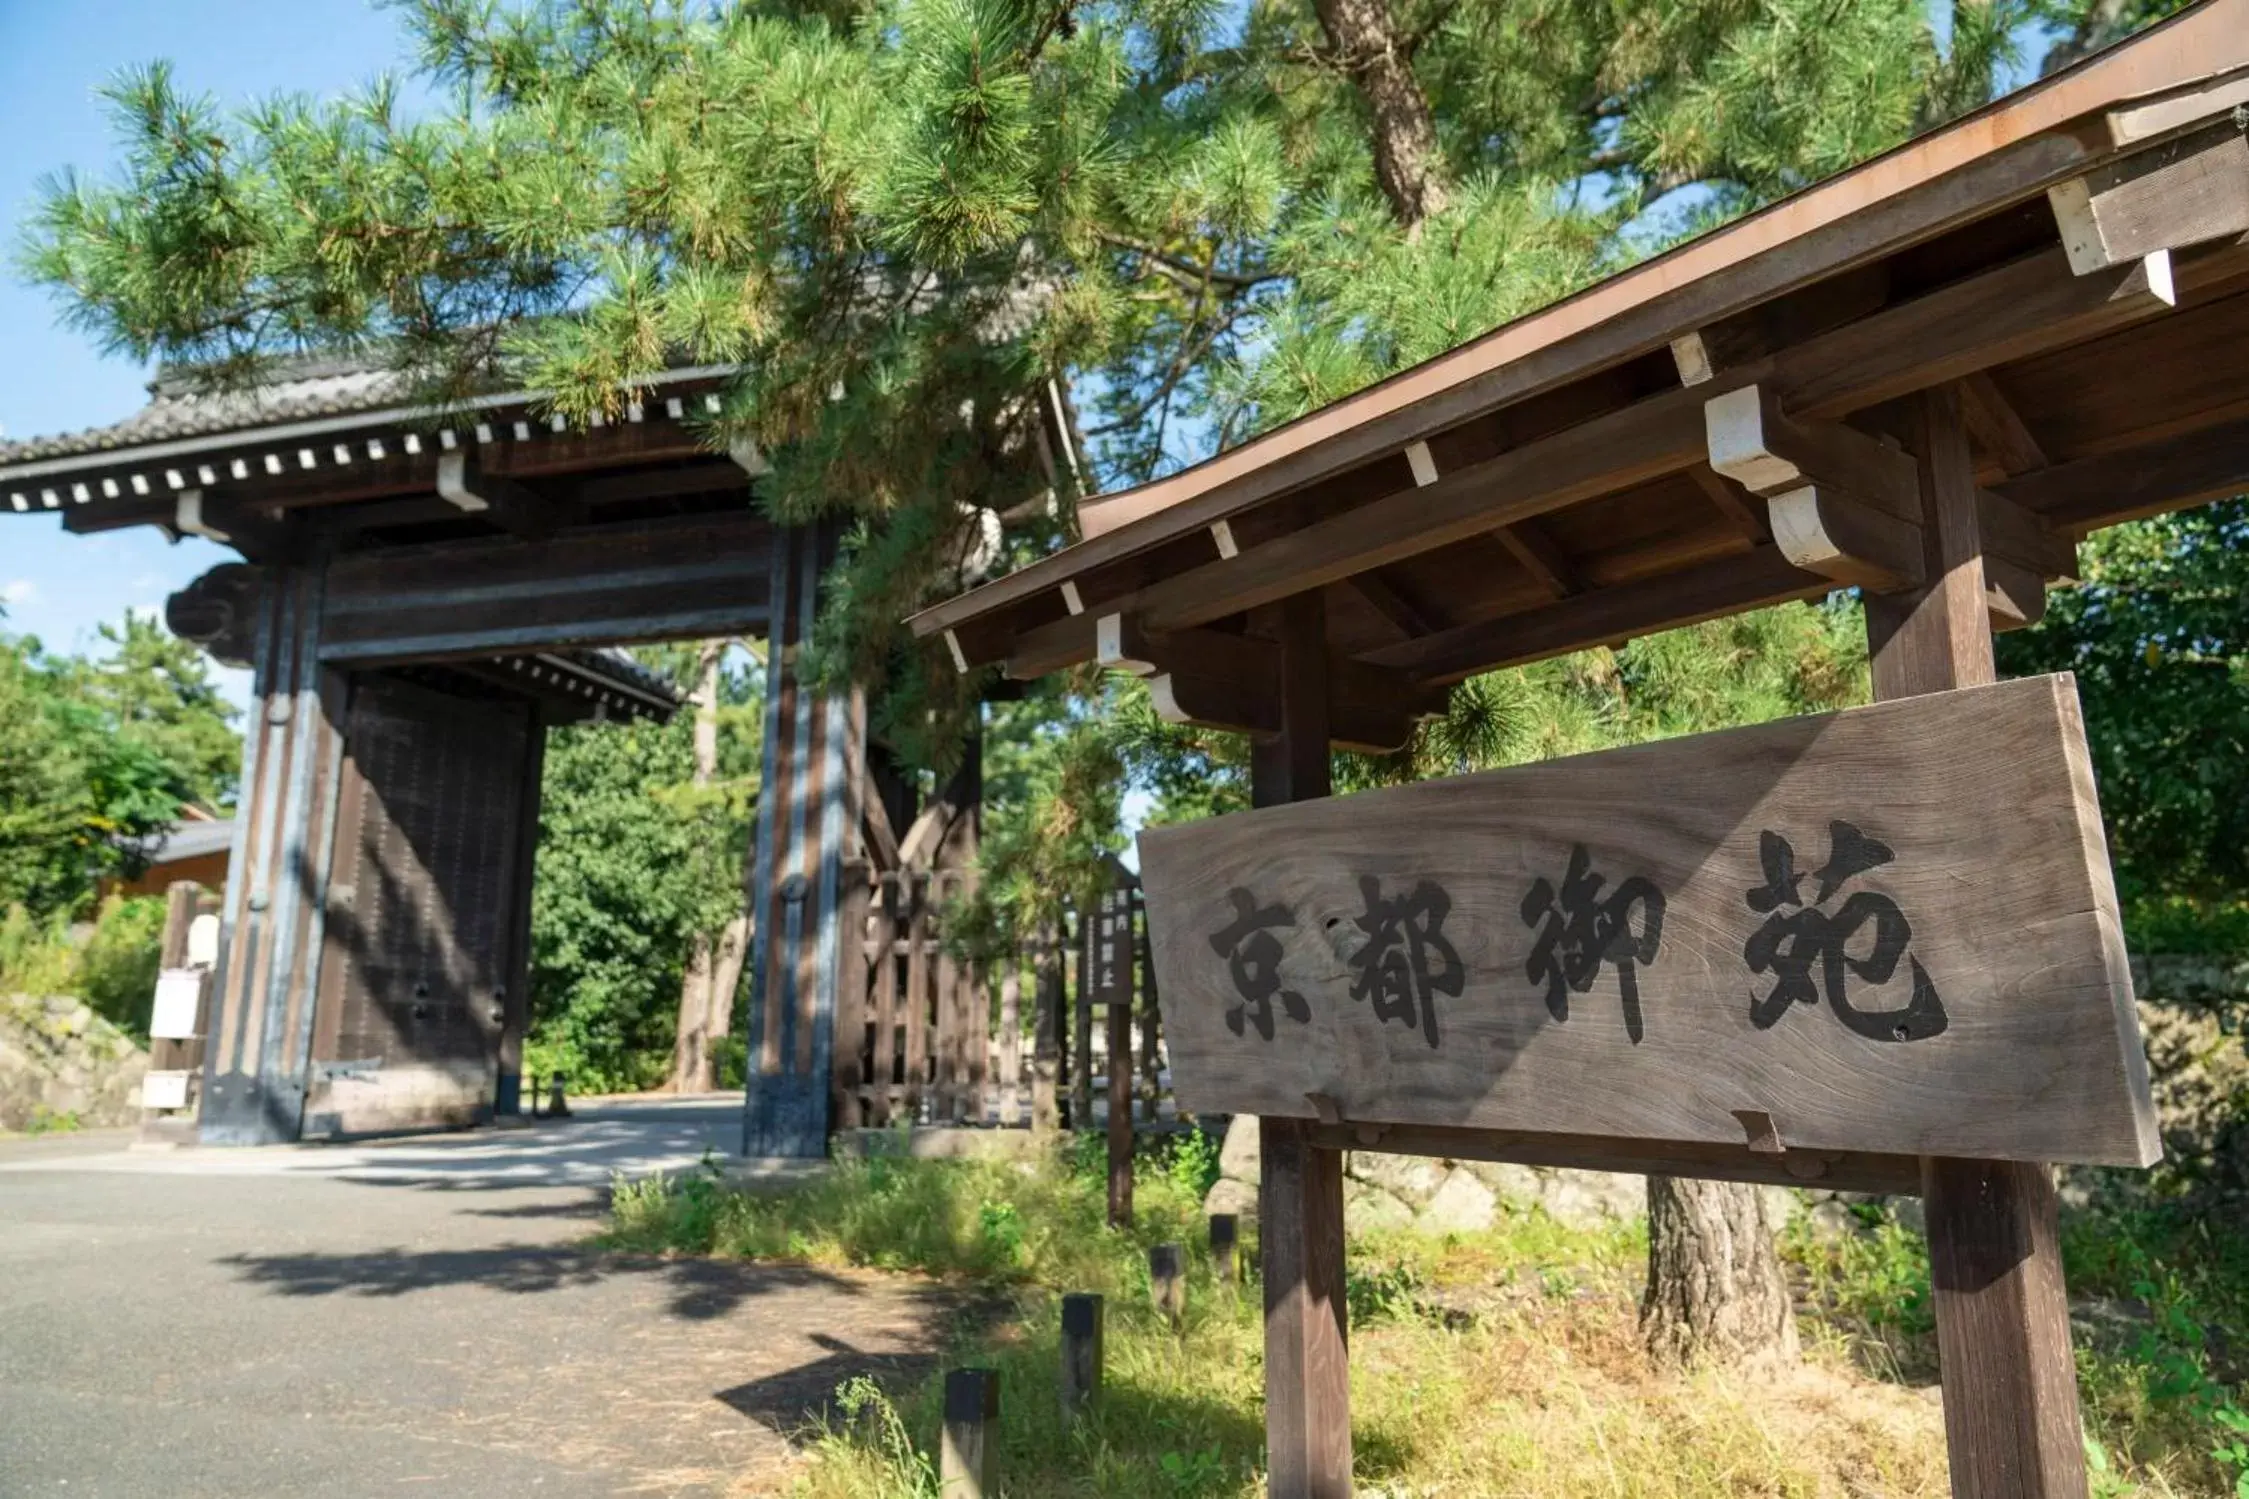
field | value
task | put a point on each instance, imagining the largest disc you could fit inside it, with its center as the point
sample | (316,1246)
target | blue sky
(54,54)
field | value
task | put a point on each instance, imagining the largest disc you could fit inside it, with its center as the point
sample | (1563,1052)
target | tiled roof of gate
(298,390)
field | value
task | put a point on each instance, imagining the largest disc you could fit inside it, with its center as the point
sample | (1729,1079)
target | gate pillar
(808,825)
(269,957)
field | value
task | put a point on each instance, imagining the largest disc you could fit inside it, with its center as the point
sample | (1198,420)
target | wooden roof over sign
(1713,430)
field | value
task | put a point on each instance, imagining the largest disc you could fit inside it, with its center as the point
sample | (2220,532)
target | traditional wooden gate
(427,928)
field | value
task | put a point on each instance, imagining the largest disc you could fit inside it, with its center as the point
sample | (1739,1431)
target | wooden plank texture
(2025,1048)
(2002,1312)
(1300,1187)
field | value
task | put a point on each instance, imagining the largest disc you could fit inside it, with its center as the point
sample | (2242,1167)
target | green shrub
(112,967)
(119,963)
(36,955)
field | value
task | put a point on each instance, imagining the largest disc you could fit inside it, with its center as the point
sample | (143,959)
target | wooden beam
(260,538)
(2010,1380)
(1748,580)
(2015,535)
(1740,510)
(1828,1170)
(2186,190)
(1533,546)
(687,578)
(1759,446)
(463,483)
(1656,437)
(1997,427)
(1300,1192)
(1232,682)
(2167,475)
(2014,596)
(1835,536)
(663,483)
(2026,307)
(1840,502)
(1385,599)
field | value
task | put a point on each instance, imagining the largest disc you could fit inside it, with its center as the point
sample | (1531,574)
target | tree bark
(693,1068)
(1716,1291)
(1363,37)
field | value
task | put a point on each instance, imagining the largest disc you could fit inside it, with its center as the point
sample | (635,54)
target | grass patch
(1501,1363)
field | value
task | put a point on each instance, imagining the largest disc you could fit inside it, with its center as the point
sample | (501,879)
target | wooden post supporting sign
(2010,1381)
(1300,1193)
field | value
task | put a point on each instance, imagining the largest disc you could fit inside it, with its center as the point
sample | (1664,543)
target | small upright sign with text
(1887,930)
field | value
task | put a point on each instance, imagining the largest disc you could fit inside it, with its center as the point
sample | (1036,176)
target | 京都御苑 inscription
(1620,944)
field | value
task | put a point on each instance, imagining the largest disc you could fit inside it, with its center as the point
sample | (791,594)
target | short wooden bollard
(1225,1237)
(556,1108)
(1167,1282)
(1081,1352)
(972,1404)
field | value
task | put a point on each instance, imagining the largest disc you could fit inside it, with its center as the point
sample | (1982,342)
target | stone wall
(1434,1195)
(61,1064)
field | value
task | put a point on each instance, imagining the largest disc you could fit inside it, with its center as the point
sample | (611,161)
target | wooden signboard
(1112,950)
(1886,930)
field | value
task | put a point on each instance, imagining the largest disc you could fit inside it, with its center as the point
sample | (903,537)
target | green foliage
(111,963)
(98,756)
(2170,1392)
(37,956)
(634,862)
(117,968)
(902,218)
(2158,636)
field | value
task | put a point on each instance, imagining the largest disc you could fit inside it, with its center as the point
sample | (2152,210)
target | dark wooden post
(2010,1382)
(1167,1282)
(1046,1043)
(1112,967)
(1300,1198)
(1081,1352)
(1225,1236)
(1081,1023)
(809,820)
(972,1404)
(1151,1014)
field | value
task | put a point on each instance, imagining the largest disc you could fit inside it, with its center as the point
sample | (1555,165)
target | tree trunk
(1716,1290)
(1363,37)
(726,982)
(692,1067)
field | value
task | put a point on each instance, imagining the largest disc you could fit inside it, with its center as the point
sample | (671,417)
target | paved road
(412,1317)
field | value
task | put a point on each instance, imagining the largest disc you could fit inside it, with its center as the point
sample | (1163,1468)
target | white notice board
(179,1004)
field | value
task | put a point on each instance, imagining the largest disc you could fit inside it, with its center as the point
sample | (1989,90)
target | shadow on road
(803,1397)
(698,1289)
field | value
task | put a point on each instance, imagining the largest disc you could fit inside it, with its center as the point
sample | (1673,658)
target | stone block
(1461,1204)
(1369,1209)
(1241,1158)
(1517,1186)
(1230,1196)
(1591,1199)
(1413,1179)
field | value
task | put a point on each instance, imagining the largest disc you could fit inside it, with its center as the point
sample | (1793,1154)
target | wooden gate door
(422,930)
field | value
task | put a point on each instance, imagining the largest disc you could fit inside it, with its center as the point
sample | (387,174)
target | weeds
(1500,1363)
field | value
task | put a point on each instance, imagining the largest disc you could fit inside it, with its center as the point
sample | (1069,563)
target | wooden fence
(924,1036)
